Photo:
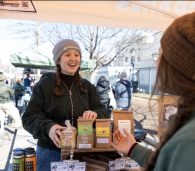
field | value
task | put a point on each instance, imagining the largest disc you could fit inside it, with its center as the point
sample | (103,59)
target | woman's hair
(169,80)
(58,90)
(176,75)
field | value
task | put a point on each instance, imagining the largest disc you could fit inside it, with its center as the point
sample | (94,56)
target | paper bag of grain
(85,137)
(103,133)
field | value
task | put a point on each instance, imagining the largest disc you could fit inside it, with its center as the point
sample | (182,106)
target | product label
(103,140)
(29,165)
(102,132)
(84,146)
(84,139)
(85,129)
(123,164)
(68,166)
(18,164)
(68,140)
(124,124)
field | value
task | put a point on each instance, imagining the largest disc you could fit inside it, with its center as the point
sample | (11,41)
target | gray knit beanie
(62,46)
(123,75)
(178,45)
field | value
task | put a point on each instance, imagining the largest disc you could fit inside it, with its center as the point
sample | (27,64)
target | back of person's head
(101,78)
(176,70)
(27,75)
(176,73)
(123,75)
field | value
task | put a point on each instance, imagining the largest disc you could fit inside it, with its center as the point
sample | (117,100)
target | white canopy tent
(126,14)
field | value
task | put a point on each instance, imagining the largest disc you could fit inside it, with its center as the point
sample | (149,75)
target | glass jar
(68,137)
(18,160)
(30,159)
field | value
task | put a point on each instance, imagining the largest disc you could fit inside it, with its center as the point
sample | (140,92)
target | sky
(19,36)
(15,37)
(8,43)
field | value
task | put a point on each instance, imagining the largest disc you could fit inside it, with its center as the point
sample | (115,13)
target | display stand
(78,153)
(96,158)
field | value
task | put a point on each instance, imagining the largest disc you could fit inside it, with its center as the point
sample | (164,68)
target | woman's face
(70,61)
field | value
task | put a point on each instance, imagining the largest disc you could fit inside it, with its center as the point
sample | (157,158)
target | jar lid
(18,149)
(29,151)
(18,153)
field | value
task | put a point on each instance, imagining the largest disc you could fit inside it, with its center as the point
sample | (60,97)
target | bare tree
(104,44)
(101,44)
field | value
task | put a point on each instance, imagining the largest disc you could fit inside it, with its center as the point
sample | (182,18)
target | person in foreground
(57,97)
(176,76)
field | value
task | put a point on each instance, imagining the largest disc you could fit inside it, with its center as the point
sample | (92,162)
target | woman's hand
(89,115)
(55,133)
(123,141)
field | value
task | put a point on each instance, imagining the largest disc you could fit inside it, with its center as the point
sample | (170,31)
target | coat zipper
(70,93)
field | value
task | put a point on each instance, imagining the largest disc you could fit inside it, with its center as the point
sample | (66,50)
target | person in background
(105,93)
(27,83)
(123,92)
(175,76)
(57,97)
(19,91)
(6,105)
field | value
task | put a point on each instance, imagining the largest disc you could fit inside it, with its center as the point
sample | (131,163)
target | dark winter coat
(123,94)
(46,109)
(103,88)
(19,89)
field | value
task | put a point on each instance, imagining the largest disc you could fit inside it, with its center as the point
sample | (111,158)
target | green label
(85,129)
(18,164)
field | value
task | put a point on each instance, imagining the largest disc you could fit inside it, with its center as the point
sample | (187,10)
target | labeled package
(68,138)
(85,137)
(123,120)
(103,133)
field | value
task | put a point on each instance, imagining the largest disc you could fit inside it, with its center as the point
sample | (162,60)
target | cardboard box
(167,108)
(123,119)
(85,137)
(103,133)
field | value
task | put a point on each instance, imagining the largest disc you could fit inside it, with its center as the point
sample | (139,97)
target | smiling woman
(59,96)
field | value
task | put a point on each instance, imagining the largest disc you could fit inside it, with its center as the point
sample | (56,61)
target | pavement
(145,119)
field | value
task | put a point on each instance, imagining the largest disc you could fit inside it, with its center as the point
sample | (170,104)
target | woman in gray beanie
(57,97)
(175,76)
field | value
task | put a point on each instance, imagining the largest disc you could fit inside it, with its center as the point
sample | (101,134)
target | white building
(141,58)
